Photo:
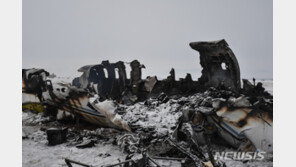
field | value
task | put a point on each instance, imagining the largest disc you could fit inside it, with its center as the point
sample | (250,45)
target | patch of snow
(31,118)
(38,154)
(162,117)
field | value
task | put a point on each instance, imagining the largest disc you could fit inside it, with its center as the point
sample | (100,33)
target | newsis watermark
(229,155)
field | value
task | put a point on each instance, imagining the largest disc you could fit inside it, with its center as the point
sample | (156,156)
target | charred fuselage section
(109,80)
(106,79)
(220,66)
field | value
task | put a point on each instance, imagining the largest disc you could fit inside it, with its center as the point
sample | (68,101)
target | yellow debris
(33,106)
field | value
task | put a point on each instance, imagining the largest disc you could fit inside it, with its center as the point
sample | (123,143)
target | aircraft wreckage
(184,109)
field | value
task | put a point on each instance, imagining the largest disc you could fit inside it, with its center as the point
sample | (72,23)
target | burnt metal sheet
(32,88)
(220,66)
(246,123)
(77,101)
(107,79)
(33,81)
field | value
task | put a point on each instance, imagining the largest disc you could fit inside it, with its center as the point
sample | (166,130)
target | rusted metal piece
(220,66)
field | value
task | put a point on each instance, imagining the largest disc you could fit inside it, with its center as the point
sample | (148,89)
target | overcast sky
(63,35)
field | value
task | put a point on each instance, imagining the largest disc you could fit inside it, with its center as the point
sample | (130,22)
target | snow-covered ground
(36,152)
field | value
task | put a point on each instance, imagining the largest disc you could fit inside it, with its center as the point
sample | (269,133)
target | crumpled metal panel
(80,103)
(245,122)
